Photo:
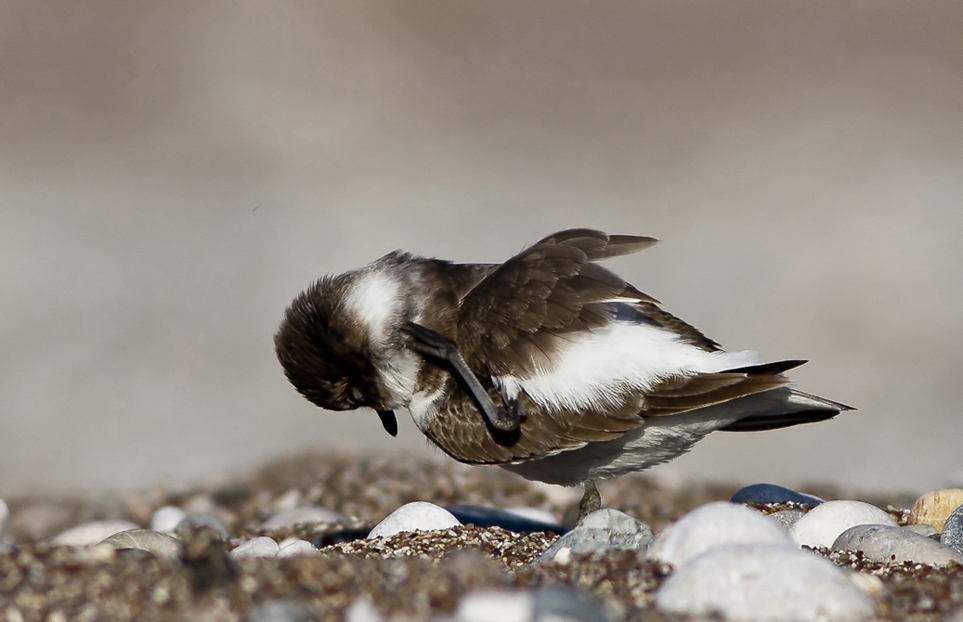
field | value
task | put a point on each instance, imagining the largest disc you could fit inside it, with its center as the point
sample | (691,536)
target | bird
(548,365)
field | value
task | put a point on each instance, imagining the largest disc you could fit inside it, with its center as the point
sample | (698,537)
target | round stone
(823,524)
(279,611)
(923,529)
(601,531)
(167,518)
(886,544)
(91,533)
(496,606)
(934,507)
(305,514)
(771,493)
(712,525)
(256,547)
(298,548)
(362,610)
(415,516)
(952,535)
(159,544)
(786,518)
(759,582)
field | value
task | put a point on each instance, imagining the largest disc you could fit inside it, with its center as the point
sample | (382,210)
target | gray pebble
(786,518)
(298,548)
(564,604)
(93,532)
(887,544)
(600,531)
(279,611)
(167,518)
(159,544)
(923,529)
(952,535)
(257,547)
(414,516)
(300,515)
(193,523)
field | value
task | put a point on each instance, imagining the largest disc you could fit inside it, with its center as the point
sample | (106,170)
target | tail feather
(798,408)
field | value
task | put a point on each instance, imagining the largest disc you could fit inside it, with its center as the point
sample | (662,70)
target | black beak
(389,422)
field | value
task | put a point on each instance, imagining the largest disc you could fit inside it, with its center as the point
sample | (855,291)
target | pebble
(540,516)
(256,547)
(761,582)
(414,516)
(771,493)
(305,514)
(94,532)
(362,610)
(712,525)
(279,611)
(4,518)
(202,521)
(159,544)
(496,606)
(924,530)
(566,605)
(167,518)
(886,544)
(952,535)
(511,520)
(934,507)
(823,524)
(298,548)
(786,518)
(601,531)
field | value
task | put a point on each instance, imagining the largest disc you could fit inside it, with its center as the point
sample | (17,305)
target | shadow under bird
(547,365)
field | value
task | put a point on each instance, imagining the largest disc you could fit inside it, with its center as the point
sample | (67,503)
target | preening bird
(548,365)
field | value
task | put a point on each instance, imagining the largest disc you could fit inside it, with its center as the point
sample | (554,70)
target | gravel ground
(38,582)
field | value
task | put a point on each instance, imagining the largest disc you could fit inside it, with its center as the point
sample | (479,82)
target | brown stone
(934,507)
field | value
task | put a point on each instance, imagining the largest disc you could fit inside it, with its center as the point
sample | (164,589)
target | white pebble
(362,610)
(167,518)
(823,524)
(256,547)
(298,548)
(415,516)
(495,606)
(94,532)
(712,525)
(759,582)
(303,514)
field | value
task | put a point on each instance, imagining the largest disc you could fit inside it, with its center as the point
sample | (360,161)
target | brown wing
(518,316)
(461,432)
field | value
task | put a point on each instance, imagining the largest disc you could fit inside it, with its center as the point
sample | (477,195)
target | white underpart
(374,299)
(601,367)
(400,376)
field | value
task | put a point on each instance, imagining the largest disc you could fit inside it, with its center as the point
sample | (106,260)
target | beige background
(172,173)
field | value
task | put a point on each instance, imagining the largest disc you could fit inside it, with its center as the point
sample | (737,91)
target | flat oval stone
(886,544)
(305,514)
(91,533)
(481,516)
(193,523)
(159,544)
(539,516)
(923,529)
(279,611)
(167,518)
(712,525)
(823,524)
(933,508)
(496,606)
(601,531)
(414,516)
(771,493)
(298,548)
(759,582)
(256,547)
(786,518)
(952,535)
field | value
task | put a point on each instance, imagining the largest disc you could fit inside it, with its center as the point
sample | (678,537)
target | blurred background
(173,173)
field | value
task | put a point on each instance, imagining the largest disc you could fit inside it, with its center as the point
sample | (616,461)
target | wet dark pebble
(481,516)
(771,493)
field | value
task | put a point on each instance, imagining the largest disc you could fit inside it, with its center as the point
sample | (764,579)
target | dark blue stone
(490,517)
(349,534)
(771,493)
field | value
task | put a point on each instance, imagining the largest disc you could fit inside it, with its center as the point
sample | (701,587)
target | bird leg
(591,500)
(433,344)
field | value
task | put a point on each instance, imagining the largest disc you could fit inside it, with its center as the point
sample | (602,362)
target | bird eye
(356,394)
